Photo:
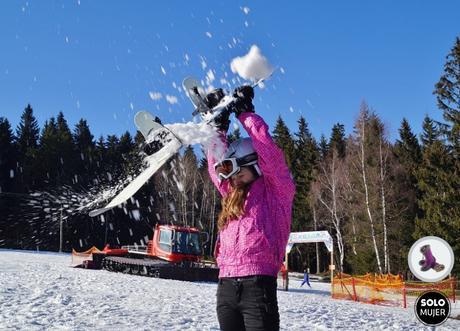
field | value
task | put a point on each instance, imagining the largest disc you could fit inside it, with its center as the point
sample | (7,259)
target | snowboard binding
(157,143)
(221,120)
(215,107)
(156,136)
(194,90)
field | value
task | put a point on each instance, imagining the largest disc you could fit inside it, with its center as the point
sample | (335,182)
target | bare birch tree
(383,157)
(361,165)
(328,191)
(371,189)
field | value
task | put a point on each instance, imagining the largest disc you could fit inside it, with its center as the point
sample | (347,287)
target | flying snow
(198,133)
(155,95)
(252,66)
(210,77)
(136,214)
(203,63)
(171,99)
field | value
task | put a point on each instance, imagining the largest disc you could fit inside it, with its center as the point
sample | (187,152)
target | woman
(257,193)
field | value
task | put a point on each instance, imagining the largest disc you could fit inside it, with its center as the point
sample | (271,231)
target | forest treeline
(375,196)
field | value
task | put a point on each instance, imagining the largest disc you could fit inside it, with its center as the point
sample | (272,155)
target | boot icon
(429,261)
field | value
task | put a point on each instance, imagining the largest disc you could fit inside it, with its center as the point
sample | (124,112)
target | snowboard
(164,142)
(196,93)
(166,145)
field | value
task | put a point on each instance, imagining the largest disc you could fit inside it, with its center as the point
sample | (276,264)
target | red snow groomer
(175,252)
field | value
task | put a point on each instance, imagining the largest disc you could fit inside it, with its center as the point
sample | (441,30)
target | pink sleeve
(271,158)
(222,186)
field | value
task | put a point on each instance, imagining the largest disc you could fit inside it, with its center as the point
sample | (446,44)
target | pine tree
(27,131)
(49,157)
(126,144)
(113,160)
(63,131)
(100,151)
(439,190)
(407,147)
(102,167)
(323,147)
(130,154)
(283,139)
(408,154)
(27,134)
(337,140)
(112,145)
(447,91)
(306,156)
(139,139)
(431,133)
(85,148)
(82,136)
(66,152)
(306,149)
(8,157)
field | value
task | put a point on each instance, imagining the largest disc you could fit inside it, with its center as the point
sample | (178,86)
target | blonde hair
(232,206)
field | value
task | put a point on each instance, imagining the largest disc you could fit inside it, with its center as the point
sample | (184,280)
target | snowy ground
(39,291)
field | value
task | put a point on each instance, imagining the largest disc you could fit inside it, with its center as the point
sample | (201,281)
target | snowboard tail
(194,91)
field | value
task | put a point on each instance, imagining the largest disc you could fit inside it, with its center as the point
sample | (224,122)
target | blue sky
(99,60)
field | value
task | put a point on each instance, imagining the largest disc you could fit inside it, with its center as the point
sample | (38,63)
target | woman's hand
(243,103)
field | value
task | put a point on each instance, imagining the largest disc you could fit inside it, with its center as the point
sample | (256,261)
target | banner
(309,237)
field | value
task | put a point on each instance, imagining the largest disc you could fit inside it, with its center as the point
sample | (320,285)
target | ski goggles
(231,166)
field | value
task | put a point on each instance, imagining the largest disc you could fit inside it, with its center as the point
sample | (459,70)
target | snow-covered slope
(39,291)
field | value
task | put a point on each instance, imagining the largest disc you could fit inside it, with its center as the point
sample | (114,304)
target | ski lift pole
(60,231)
(286,287)
(332,266)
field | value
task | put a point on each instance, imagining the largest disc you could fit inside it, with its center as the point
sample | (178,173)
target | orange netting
(415,289)
(390,290)
(79,257)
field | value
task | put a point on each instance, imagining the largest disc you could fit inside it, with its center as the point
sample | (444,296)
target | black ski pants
(247,304)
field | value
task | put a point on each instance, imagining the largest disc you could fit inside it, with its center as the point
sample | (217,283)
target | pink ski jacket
(255,243)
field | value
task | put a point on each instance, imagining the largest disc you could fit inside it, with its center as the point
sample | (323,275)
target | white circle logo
(431,259)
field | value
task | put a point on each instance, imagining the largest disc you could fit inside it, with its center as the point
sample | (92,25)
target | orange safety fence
(415,289)
(79,257)
(388,290)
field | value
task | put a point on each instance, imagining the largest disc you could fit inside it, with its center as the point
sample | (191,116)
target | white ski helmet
(240,153)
